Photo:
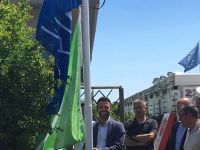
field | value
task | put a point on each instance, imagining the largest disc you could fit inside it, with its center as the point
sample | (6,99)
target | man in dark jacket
(108,134)
(177,139)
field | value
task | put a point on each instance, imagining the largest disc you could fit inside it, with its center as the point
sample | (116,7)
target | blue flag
(192,59)
(54,33)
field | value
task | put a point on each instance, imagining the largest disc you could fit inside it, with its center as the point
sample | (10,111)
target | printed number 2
(188,93)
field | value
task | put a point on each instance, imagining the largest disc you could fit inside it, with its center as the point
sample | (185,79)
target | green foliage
(129,116)
(26,79)
(115,113)
(94,111)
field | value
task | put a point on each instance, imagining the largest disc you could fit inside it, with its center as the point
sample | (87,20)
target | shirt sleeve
(154,126)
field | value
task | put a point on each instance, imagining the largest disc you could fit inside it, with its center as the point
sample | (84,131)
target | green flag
(68,126)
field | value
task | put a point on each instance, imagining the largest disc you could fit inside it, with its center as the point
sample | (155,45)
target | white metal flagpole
(86,74)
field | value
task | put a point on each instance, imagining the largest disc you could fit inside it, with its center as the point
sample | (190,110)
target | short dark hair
(106,99)
(190,109)
(141,101)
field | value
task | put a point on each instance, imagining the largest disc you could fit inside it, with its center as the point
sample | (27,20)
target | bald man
(177,139)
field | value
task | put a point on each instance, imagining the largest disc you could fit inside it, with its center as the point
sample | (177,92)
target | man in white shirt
(108,134)
(178,135)
(189,119)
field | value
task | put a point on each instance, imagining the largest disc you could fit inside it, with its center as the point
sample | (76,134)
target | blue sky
(138,40)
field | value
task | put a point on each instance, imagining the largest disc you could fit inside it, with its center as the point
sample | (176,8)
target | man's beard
(104,114)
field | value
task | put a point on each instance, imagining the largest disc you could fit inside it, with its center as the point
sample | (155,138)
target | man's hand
(95,148)
(129,142)
(145,138)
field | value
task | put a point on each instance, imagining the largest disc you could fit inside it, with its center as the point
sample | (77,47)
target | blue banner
(54,33)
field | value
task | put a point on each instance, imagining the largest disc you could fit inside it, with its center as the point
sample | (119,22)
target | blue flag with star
(191,60)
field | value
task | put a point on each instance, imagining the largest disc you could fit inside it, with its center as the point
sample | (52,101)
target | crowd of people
(140,132)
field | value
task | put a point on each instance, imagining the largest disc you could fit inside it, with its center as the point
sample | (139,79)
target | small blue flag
(191,60)
(54,33)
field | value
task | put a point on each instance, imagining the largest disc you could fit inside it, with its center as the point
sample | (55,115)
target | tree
(26,79)
(129,116)
(116,113)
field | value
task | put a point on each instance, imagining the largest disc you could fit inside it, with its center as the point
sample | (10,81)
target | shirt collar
(105,123)
(146,121)
(197,126)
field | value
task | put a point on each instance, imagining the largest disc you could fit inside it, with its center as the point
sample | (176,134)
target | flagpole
(198,56)
(86,74)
